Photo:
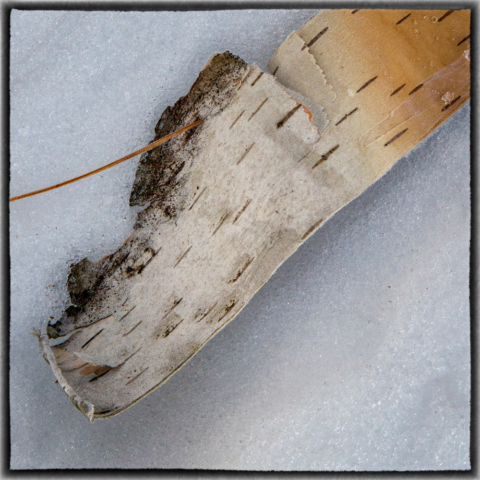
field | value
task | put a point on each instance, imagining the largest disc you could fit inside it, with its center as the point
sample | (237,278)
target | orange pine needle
(116,162)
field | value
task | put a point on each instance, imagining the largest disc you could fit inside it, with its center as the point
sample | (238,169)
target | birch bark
(228,202)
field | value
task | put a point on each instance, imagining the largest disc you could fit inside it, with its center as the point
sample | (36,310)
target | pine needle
(116,162)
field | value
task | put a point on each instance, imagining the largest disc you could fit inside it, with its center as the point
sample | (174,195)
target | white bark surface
(249,185)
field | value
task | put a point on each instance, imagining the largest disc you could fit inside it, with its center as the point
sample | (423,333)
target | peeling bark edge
(157,177)
(85,407)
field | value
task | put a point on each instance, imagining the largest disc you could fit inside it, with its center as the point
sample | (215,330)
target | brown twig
(116,162)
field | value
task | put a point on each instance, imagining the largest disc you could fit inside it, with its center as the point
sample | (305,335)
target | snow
(354,356)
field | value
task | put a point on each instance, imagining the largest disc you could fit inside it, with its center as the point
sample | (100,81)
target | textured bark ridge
(229,201)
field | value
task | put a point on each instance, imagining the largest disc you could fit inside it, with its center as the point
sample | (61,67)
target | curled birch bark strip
(230,200)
